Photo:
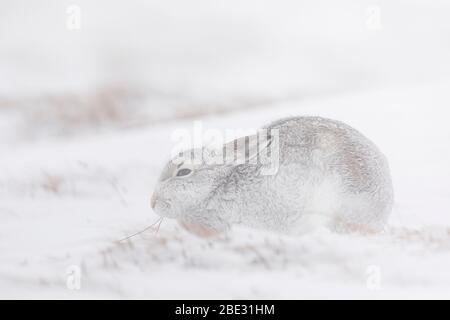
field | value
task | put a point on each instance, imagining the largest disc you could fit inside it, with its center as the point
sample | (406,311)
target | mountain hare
(328,174)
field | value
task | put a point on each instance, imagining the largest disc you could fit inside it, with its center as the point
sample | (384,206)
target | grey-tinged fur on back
(328,172)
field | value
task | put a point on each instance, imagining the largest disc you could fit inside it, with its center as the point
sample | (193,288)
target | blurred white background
(160,59)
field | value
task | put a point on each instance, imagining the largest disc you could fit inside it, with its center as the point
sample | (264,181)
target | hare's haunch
(325,172)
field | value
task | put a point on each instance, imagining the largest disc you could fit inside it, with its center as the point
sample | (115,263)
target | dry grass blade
(157,222)
(159,225)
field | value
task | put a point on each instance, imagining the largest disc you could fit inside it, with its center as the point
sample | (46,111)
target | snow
(75,180)
(68,202)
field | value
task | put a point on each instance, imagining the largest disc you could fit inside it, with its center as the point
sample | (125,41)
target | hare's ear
(246,148)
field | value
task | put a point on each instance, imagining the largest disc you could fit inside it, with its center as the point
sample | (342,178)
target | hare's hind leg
(360,214)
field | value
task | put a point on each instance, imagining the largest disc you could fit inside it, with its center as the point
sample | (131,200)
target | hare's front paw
(199,229)
(310,222)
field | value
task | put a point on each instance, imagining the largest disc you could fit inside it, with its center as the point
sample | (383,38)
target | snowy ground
(67,201)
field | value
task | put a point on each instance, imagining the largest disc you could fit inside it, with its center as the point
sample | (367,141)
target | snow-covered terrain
(87,117)
(68,202)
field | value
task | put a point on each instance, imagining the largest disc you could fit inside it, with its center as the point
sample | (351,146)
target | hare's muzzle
(160,205)
(153,201)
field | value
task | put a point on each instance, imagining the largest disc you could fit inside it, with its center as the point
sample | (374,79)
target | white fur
(329,175)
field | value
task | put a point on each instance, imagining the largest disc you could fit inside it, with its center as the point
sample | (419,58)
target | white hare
(328,172)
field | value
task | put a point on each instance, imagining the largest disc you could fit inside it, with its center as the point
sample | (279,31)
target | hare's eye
(183,172)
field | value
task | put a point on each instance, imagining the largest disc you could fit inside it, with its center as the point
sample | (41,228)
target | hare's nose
(153,201)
